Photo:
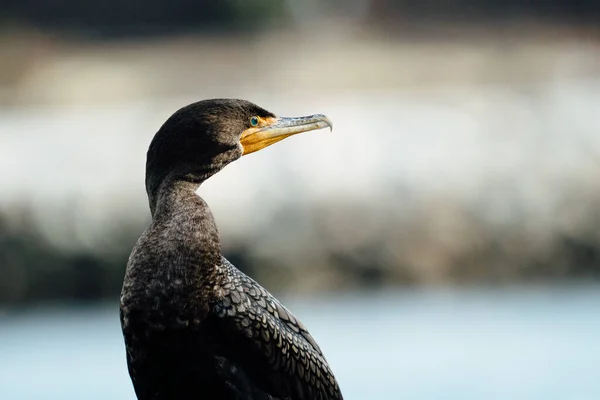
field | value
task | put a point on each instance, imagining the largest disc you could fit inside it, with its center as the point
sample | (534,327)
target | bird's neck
(174,198)
(188,228)
(171,191)
(184,178)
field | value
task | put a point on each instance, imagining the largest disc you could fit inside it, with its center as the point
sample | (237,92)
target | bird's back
(269,342)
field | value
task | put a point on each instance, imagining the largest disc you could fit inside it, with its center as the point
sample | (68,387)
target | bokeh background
(442,242)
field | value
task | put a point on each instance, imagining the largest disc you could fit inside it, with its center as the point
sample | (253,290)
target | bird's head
(200,139)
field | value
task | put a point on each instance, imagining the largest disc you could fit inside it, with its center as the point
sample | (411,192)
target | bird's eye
(254,121)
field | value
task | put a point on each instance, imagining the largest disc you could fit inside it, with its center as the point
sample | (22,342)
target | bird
(194,326)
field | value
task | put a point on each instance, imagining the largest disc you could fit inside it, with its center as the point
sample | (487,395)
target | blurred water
(476,344)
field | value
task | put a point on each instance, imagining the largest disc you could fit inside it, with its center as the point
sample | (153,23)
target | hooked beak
(272,130)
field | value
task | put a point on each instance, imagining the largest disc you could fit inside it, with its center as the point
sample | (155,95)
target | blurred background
(442,242)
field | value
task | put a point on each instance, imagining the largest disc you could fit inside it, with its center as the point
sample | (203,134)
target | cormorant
(195,327)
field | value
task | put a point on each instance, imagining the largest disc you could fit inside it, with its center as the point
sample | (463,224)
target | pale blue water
(477,344)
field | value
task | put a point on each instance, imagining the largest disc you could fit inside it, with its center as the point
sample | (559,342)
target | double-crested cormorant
(195,327)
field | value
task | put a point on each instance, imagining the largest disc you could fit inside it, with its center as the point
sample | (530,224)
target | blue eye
(254,121)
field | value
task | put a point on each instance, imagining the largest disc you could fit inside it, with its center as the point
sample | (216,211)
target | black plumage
(195,327)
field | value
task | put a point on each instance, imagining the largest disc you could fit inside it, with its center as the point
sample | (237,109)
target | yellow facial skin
(272,130)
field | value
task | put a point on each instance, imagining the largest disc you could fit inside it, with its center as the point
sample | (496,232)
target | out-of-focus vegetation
(32,270)
(334,242)
(439,243)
